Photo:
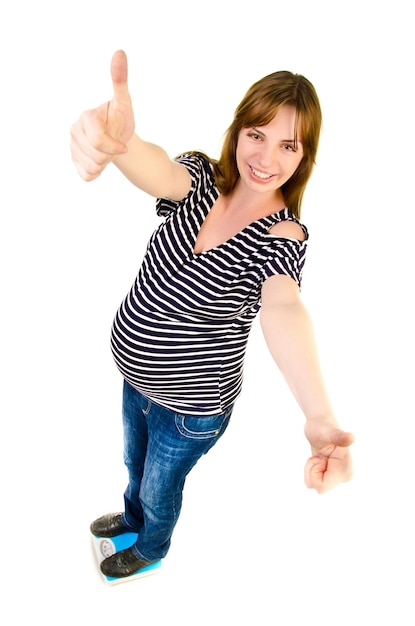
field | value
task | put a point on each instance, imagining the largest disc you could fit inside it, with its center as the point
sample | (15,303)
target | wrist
(326,417)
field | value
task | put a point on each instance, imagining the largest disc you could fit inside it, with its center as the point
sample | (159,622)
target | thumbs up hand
(103,133)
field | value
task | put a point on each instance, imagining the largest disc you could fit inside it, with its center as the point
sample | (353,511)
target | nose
(267,157)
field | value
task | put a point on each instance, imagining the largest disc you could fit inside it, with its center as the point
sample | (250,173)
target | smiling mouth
(259,174)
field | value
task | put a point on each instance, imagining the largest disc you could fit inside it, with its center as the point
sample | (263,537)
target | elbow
(268,320)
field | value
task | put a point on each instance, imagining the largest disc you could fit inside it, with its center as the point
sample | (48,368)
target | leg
(175,444)
(160,449)
(134,406)
(134,410)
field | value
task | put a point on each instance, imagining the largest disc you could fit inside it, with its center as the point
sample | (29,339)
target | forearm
(149,168)
(289,334)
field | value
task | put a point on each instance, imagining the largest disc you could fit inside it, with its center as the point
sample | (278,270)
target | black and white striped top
(180,335)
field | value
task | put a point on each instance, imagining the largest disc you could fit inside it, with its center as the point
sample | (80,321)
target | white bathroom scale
(105,547)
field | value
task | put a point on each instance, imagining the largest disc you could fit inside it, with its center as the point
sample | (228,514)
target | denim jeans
(160,449)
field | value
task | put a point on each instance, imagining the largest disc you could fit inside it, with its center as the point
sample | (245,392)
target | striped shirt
(180,335)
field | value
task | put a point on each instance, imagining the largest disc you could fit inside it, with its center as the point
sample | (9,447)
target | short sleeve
(201,180)
(286,257)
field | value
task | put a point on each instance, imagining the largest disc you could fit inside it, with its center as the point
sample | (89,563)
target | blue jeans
(160,449)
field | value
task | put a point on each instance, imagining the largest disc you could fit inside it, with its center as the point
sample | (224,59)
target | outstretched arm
(106,134)
(290,338)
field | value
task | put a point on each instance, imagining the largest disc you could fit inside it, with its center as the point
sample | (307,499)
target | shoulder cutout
(288,229)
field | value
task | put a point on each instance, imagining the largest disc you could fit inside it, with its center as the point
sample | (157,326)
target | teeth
(260,174)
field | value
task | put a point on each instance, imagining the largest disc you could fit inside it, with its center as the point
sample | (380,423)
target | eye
(255,136)
(289,147)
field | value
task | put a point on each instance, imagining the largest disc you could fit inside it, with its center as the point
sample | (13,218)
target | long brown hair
(258,108)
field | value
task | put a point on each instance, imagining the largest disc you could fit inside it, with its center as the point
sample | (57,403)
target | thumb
(342,438)
(119,75)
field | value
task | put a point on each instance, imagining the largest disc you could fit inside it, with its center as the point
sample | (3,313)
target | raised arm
(290,338)
(106,134)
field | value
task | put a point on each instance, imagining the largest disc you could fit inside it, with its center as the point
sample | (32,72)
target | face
(267,156)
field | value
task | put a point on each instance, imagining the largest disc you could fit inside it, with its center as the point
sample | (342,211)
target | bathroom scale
(107,546)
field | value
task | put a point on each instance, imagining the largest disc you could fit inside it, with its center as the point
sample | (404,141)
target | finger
(86,175)
(89,160)
(88,168)
(91,136)
(322,474)
(314,471)
(318,477)
(119,75)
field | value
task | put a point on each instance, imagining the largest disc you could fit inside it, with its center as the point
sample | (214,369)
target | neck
(258,204)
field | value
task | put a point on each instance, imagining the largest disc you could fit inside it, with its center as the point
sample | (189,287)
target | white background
(253,545)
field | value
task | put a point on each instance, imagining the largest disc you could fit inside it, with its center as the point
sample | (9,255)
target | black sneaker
(109,525)
(123,563)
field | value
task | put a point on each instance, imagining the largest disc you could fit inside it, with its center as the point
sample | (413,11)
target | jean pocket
(203,427)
